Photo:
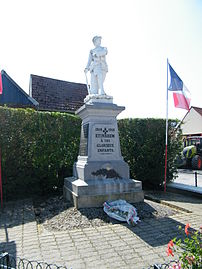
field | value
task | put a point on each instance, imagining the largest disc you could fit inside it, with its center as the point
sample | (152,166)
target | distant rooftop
(13,95)
(57,95)
(198,109)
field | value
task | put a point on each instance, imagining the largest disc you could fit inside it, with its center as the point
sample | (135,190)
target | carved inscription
(105,139)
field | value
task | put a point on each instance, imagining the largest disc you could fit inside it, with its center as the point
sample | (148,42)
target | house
(57,95)
(13,96)
(192,122)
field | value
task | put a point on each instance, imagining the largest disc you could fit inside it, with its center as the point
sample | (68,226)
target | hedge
(39,149)
(143,147)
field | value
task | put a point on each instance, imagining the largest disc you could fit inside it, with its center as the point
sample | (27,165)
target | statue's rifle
(87,83)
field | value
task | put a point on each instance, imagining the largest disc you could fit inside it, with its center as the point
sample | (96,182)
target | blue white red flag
(181,94)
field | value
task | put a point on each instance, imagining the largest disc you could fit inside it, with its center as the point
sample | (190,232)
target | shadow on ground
(16,213)
(158,232)
(156,227)
(57,215)
(7,246)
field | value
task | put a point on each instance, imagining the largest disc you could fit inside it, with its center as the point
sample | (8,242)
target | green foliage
(143,148)
(38,150)
(189,249)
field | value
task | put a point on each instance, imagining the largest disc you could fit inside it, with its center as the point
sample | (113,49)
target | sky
(52,38)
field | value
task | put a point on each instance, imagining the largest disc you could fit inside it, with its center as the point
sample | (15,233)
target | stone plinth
(93,193)
(100,173)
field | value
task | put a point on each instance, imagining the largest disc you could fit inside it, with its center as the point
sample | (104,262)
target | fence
(169,265)
(174,265)
(7,261)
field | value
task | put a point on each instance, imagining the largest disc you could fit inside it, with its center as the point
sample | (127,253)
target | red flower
(186,229)
(171,244)
(169,249)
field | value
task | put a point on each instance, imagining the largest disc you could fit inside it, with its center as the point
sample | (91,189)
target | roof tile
(57,95)
(198,109)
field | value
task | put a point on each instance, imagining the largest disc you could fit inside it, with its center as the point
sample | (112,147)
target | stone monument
(100,173)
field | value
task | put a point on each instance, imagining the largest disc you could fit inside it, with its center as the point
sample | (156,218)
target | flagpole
(166,142)
(1,191)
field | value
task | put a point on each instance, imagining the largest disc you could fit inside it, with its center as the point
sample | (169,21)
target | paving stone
(72,257)
(133,260)
(100,245)
(67,249)
(116,264)
(89,254)
(77,265)
(64,242)
(141,265)
(100,261)
(109,256)
(93,266)
(109,246)
(88,246)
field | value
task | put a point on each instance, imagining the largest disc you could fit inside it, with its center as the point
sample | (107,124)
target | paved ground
(109,246)
(186,176)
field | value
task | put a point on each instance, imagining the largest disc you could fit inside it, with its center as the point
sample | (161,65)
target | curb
(184,191)
(166,203)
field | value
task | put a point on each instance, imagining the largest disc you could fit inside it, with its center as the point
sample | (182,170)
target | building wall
(13,96)
(192,123)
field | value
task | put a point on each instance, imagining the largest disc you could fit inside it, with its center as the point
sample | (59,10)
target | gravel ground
(57,215)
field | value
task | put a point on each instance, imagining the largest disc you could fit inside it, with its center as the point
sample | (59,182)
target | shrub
(38,149)
(189,249)
(143,148)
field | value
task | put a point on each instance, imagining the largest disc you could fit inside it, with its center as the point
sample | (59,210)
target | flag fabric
(176,84)
(1,84)
(180,101)
(181,94)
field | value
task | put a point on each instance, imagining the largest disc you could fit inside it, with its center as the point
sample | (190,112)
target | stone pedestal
(100,173)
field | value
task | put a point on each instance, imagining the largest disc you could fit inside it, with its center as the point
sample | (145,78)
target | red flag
(180,101)
(1,85)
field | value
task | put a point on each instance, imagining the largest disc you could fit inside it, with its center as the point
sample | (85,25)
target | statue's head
(97,40)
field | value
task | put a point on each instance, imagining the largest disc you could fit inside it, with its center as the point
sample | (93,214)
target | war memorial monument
(100,173)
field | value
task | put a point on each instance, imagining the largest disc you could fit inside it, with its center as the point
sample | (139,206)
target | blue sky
(53,38)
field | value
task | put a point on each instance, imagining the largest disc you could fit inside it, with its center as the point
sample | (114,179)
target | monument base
(93,193)
(100,173)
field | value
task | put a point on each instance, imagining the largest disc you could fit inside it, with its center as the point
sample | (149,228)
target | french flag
(181,94)
(1,84)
